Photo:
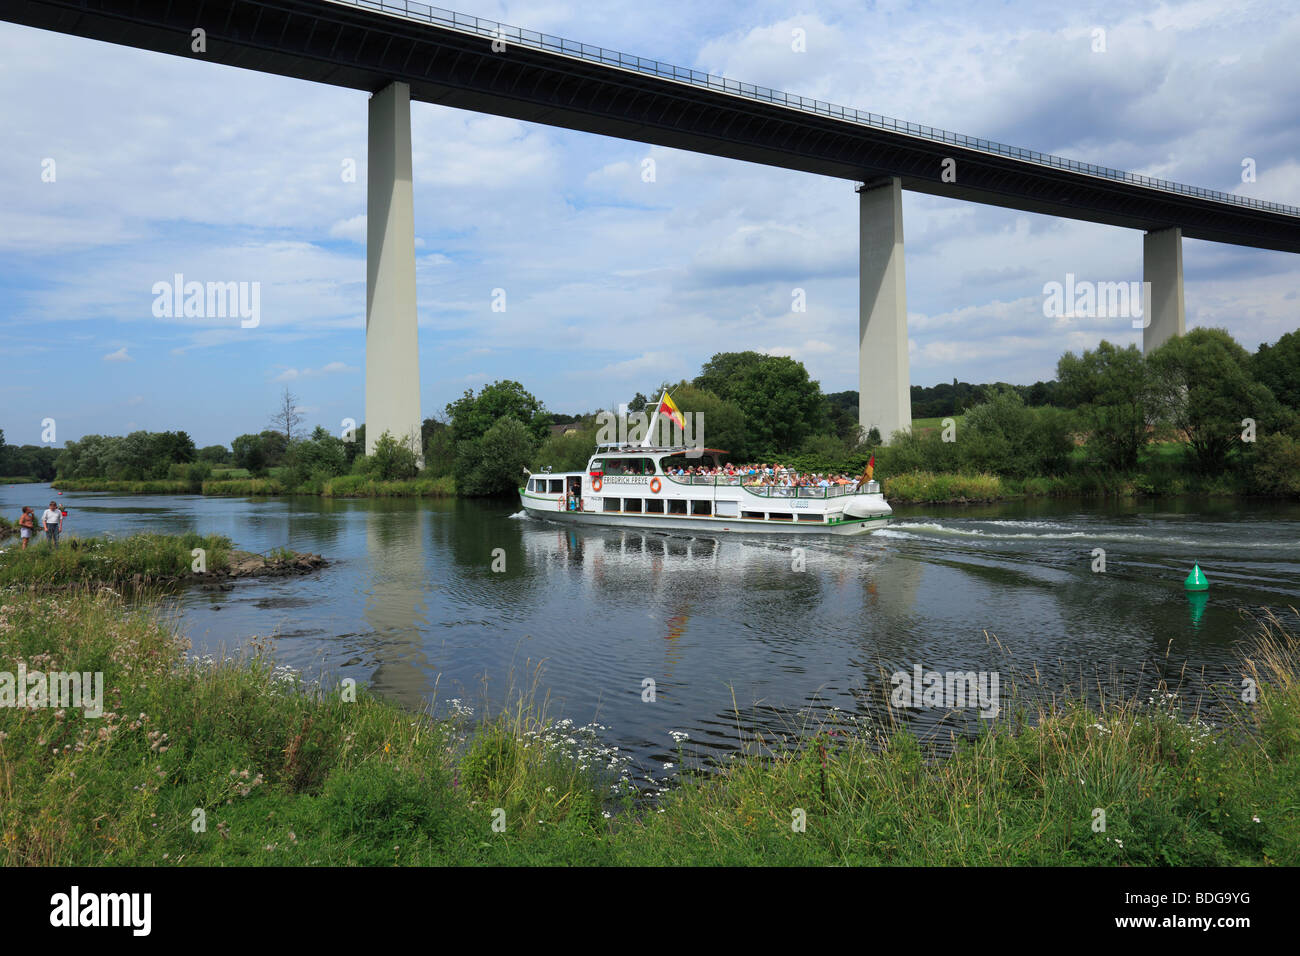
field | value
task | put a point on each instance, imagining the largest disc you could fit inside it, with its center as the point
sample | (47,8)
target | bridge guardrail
(553,44)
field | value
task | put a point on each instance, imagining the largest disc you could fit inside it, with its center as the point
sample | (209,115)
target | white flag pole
(654,420)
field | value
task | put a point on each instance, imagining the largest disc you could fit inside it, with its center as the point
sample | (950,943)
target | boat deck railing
(769,490)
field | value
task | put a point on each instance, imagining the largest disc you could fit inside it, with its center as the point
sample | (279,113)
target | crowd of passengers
(763,474)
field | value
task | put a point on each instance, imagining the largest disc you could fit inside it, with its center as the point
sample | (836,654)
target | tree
(782,406)
(1112,390)
(287,418)
(439,448)
(723,374)
(471,416)
(722,424)
(1276,465)
(259,452)
(215,454)
(842,413)
(1205,392)
(1004,435)
(566,452)
(320,457)
(494,463)
(392,460)
(1278,367)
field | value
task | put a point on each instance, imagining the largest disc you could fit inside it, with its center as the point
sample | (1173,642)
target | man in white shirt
(52,522)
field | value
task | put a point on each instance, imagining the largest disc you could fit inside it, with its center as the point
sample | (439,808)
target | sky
(165,165)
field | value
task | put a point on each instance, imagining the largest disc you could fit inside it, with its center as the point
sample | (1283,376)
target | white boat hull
(549,510)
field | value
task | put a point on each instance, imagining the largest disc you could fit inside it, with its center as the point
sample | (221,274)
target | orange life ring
(596,483)
(655,485)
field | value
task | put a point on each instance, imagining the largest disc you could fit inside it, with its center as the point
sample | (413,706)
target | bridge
(400,51)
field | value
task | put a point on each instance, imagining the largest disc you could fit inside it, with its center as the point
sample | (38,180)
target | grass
(925,487)
(240,762)
(934,424)
(156,486)
(19,480)
(137,560)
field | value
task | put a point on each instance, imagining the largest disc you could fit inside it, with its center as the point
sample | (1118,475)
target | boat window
(632,504)
(676,506)
(804,517)
(597,464)
(654,506)
(758,515)
(629,466)
(557,486)
(780,516)
(727,509)
(611,504)
(701,507)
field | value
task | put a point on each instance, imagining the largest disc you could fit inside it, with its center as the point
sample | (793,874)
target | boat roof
(616,449)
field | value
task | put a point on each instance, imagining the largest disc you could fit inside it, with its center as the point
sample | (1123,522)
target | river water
(740,635)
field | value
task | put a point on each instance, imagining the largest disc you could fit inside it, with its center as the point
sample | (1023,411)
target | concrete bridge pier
(1162,267)
(884,379)
(392,348)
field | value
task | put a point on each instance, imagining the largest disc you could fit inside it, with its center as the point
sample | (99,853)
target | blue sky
(167,165)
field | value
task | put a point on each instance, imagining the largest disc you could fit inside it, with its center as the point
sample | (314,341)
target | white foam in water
(1061,535)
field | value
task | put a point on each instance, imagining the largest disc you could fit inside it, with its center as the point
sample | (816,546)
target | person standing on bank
(52,523)
(27,525)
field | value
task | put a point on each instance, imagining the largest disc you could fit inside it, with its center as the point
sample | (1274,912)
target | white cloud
(330,368)
(353,229)
(118,356)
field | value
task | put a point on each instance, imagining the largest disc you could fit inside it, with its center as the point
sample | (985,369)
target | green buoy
(1196,581)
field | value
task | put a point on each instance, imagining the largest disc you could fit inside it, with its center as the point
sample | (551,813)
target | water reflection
(729,624)
(393,589)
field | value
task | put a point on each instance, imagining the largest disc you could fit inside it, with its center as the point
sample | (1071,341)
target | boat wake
(1047,532)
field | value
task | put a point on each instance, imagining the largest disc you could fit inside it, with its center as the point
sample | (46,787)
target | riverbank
(143,560)
(238,762)
(924,487)
(344,486)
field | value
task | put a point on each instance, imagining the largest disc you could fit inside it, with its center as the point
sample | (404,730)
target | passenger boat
(631,486)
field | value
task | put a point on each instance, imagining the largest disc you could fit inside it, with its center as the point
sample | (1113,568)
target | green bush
(1006,437)
(495,463)
(1276,466)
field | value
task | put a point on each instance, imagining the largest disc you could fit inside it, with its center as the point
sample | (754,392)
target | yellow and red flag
(871,469)
(669,409)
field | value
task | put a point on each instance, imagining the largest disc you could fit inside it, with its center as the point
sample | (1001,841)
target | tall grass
(923,487)
(139,559)
(157,486)
(285,772)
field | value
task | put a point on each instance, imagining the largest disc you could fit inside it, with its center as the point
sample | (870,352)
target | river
(740,635)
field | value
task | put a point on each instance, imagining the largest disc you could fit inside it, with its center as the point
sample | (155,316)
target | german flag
(668,409)
(871,470)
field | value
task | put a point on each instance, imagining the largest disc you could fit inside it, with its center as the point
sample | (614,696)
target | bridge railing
(545,41)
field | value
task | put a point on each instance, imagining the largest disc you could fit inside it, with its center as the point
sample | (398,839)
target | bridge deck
(447,58)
